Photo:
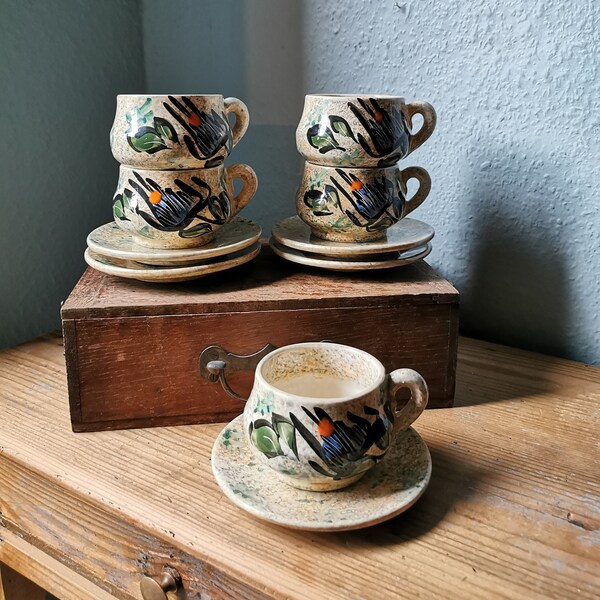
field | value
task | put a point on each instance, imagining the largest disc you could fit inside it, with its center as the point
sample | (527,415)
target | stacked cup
(173,190)
(174,193)
(352,190)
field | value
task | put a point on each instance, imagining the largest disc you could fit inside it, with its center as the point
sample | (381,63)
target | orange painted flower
(155,197)
(325,427)
(356,185)
(194,120)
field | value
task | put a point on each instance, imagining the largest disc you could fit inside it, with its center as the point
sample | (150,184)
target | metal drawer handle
(170,581)
(216,363)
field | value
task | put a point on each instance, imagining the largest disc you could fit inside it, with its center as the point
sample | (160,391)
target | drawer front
(98,544)
(143,371)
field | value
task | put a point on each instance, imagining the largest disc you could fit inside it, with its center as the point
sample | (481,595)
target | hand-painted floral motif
(377,202)
(207,132)
(344,450)
(322,202)
(322,135)
(267,435)
(147,133)
(175,210)
(387,130)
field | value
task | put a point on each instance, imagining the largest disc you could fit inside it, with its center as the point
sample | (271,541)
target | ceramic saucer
(351,263)
(407,233)
(112,242)
(389,489)
(150,273)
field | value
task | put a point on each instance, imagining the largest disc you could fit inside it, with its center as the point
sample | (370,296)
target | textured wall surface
(61,65)
(515,158)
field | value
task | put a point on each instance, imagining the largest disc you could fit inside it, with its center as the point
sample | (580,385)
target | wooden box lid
(267,283)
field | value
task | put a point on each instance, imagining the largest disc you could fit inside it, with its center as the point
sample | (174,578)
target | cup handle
(242,117)
(249,185)
(407,378)
(422,176)
(429,120)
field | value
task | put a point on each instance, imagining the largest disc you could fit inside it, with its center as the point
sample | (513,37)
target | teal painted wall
(61,65)
(514,161)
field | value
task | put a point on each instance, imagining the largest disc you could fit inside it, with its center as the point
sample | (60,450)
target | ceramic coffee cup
(176,132)
(179,209)
(357,205)
(322,414)
(354,130)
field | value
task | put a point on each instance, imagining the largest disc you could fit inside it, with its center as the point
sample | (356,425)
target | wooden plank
(267,283)
(513,509)
(28,564)
(13,586)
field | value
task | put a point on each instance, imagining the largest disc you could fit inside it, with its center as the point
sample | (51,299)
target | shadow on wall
(517,291)
(252,50)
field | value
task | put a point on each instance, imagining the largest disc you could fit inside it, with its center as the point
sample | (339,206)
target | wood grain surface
(512,511)
(266,283)
(132,348)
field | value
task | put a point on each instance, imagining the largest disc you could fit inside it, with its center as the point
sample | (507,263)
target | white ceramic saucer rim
(329,248)
(309,525)
(296,256)
(163,274)
(174,254)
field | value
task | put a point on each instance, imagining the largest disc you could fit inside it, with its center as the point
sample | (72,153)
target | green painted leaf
(342,223)
(128,201)
(164,129)
(147,140)
(340,125)
(323,140)
(322,143)
(196,230)
(118,210)
(267,442)
(286,430)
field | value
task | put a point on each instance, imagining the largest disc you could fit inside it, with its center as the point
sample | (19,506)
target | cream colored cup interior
(322,370)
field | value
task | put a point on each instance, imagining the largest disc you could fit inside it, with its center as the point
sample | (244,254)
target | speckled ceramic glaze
(356,263)
(360,130)
(386,491)
(111,241)
(176,132)
(128,269)
(321,415)
(179,209)
(408,233)
(357,205)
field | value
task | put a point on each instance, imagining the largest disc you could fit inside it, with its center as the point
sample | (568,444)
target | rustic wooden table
(512,511)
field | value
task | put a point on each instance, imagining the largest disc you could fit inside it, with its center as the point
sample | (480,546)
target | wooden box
(132,348)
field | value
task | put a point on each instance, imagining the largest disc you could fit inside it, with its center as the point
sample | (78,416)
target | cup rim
(311,400)
(328,96)
(167,95)
(157,171)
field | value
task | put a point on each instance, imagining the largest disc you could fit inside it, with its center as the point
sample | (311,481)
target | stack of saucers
(353,199)
(174,208)
(116,252)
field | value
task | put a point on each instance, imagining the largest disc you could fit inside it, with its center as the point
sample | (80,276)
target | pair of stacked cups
(173,189)
(352,189)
